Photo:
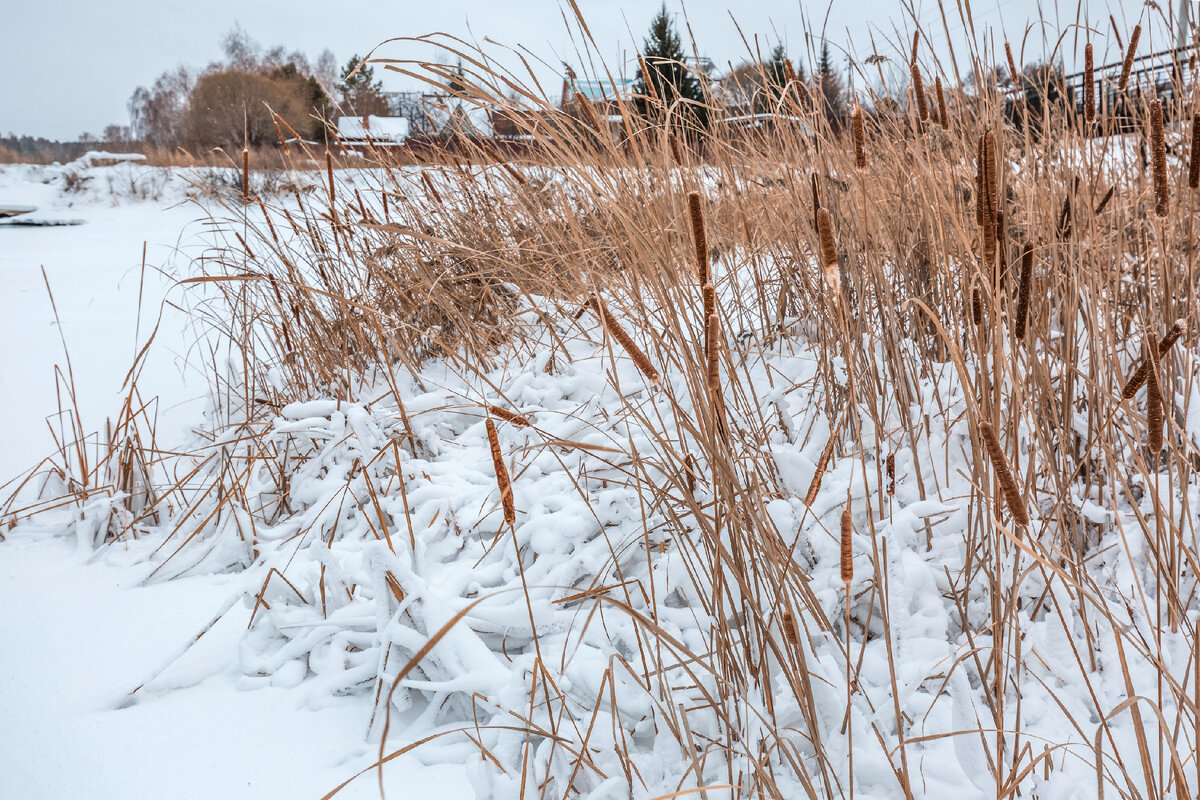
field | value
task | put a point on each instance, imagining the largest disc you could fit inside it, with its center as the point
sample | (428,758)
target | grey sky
(70,66)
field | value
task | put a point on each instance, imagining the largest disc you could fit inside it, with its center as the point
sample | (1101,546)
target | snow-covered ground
(77,634)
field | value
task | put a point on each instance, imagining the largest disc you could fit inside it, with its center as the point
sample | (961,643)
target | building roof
(605,90)
(380,129)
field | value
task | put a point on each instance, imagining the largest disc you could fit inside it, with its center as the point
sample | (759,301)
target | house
(372,132)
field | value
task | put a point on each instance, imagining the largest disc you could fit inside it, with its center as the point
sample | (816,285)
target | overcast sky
(70,66)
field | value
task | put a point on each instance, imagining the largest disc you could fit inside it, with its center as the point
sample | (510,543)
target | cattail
(329,175)
(1023,291)
(847,545)
(698,236)
(856,123)
(615,330)
(429,187)
(509,416)
(646,78)
(589,112)
(1154,408)
(1127,65)
(689,473)
(676,150)
(1089,84)
(1064,218)
(712,343)
(1104,201)
(1159,160)
(829,260)
(1164,346)
(246,174)
(1001,235)
(979,190)
(789,628)
(989,198)
(822,463)
(943,115)
(502,480)
(1116,32)
(1012,65)
(919,93)
(891,474)
(1000,464)
(1194,157)
(916,43)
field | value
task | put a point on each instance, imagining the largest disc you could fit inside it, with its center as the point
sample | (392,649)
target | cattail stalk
(699,237)
(979,189)
(509,416)
(1008,485)
(1162,204)
(1089,84)
(1023,292)
(814,487)
(990,194)
(329,175)
(246,174)
(1127,64)
(1154,408)
(943,115)
(615,330)
(829,262)
(847,546)
(502,479)
(1143,371)
(919,93)
(856,123)
(1194,156)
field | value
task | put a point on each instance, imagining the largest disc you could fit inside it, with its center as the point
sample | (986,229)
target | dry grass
(884,255)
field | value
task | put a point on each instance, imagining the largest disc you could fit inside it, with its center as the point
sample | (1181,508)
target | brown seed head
(502,479)
(1154,410)
(1089,84)
(1023,291)
(1013,72)
(1162,204)
(1004,476)
(1194,156)
(615,330)
(699,237)
(847,546)
(509,416)
(943,115)
(860,136)
(1127,65)
(919,93)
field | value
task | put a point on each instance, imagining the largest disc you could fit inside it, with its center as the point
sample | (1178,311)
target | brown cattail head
(789,628)
(829,262)
(502,479)
(614,329)
(891,474)
(1162,201)
(814,181)
(1013,72)
(814,486)
(329,176)
(509,416)
(1104,200)
(979,190)
(699,237)
(847,545)
(676,150)
(689,473)
(1194,156)
(712,343)
(650,90)
(589,111)
(1089,84)
(1143,371)
(916,43)
(919,93)
(1008,485)
(1154,406)
(943,115)
(990,195)
(1127,65)
(246,174)
(860,137)
(1023,291)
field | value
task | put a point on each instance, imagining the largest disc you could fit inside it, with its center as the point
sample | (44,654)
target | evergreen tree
(361,93)
(672,81)
(830,83)
(456,83)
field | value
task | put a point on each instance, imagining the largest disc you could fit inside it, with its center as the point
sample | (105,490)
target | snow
(384,129)
(390,530)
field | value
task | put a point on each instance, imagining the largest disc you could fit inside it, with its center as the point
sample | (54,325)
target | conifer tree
(672,81)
